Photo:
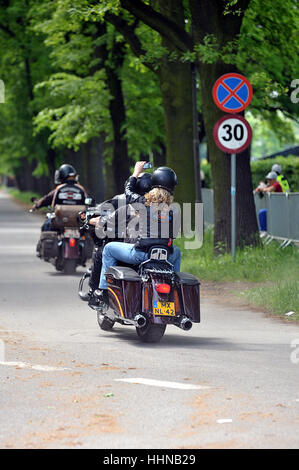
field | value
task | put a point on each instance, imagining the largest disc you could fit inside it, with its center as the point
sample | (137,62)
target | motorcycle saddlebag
(87,247)
(189,295)
(67,216)
(49,245)
(124,287)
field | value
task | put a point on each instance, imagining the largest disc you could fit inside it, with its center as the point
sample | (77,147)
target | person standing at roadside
(281,179)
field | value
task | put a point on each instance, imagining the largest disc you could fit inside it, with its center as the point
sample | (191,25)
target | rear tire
(69,266)
(105,323)
(151,333)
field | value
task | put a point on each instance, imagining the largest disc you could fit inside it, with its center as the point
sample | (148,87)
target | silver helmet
(277,168)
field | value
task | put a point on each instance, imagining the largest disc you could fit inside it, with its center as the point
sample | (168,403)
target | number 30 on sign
(232,134)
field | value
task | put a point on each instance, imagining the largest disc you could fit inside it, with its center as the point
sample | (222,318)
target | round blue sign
(232,93)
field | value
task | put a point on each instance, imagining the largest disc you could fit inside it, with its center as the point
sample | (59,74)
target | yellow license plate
(164,308)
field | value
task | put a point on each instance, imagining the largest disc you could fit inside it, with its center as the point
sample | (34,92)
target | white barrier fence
(282,213)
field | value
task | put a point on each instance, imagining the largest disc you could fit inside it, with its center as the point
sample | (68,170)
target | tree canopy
(103,83)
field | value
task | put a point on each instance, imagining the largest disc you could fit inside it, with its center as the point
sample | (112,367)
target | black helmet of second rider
(165,178)
(65,172)
(143,183)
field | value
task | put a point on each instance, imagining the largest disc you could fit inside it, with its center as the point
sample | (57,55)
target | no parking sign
(232,93)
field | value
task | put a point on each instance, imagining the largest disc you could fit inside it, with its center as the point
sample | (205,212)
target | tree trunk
(24,177)
(209,19)
(121,162)
(175,83)
(93,169)
(176,88)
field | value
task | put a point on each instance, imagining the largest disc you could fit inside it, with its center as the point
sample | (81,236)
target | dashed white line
(26,365)
(162,383)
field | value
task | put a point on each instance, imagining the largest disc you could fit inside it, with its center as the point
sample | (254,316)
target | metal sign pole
(232,93)
(233,205)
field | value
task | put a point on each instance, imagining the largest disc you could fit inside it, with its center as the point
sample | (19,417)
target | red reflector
(72,242)
(163,288)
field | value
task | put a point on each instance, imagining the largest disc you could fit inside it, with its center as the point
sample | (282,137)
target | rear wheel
(105,323)
(69,266)
(151,333)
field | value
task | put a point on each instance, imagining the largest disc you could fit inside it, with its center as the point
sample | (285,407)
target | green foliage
(272,133)
(74,104)
(268,49)
(290,169)
(23,62)
(261,167)
(145,119)
(79,109)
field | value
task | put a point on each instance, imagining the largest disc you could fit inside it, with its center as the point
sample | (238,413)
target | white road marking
(162,383)
(224,420)
(25,365)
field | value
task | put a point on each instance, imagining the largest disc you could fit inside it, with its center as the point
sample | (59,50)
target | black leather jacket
(158,224)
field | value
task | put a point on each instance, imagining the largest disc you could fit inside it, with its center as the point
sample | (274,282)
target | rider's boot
(99,297)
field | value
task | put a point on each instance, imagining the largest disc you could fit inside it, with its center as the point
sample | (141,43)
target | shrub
(290,169)
(259,169)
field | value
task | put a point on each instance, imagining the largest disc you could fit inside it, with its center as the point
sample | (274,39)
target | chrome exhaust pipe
(139,321)
(185,324)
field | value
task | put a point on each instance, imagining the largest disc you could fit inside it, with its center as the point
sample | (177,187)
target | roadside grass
(25,198)
(275,269)
(280,298)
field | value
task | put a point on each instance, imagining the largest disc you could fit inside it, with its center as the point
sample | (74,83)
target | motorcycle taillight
(163,288)
(72,242)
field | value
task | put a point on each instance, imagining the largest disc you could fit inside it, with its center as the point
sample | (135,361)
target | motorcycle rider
(66,177)
(156,203)
(110,220)
(67,191)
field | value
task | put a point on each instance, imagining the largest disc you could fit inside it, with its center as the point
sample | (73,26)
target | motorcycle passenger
(156,203)
(143,185)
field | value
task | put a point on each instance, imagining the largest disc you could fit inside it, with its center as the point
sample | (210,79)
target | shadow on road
(187,342)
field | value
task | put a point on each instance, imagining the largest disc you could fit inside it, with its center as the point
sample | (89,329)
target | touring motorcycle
(64,245)
(149,297)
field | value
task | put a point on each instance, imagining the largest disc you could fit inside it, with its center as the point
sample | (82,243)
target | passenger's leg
(175,259)
(123,252)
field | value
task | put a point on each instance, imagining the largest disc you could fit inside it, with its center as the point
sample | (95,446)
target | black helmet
(165,178)
(64,172)
(143,184)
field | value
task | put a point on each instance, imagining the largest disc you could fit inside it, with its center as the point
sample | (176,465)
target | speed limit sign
(232,134)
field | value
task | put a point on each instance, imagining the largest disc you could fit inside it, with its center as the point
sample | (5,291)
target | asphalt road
(228,383)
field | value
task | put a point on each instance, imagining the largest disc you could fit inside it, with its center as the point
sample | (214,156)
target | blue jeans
(46,227)
(126,253)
